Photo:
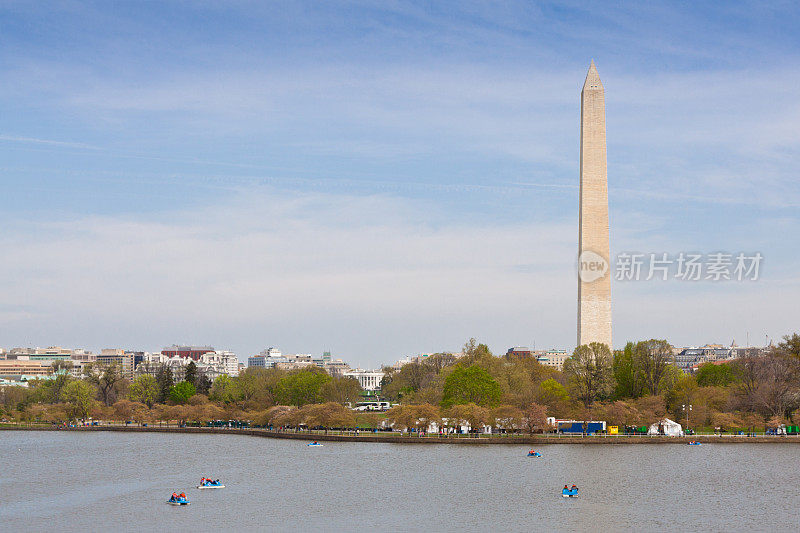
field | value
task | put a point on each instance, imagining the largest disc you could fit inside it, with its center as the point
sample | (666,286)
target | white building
(554,358)
(222,360)
(211,364)
(421,358)
(267,358)
(368,379)
(271,352)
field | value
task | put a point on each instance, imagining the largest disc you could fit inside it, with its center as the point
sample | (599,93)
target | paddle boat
(694,443)
(569,493)
(534,454)
(206,483)
(178,500)
(315,443)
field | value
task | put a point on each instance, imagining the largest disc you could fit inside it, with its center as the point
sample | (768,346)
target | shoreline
(399,439)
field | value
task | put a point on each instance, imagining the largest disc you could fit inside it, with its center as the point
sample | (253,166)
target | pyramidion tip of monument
(592,78)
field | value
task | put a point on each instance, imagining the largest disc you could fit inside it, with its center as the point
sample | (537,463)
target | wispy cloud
(49,142)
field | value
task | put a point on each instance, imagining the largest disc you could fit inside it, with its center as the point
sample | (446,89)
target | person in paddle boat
(315,443)
(574,488)
(174,497)
(566,488)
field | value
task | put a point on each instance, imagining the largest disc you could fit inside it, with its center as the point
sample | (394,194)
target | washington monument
(594,278)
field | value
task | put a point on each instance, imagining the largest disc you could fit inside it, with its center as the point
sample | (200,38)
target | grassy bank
(397,438)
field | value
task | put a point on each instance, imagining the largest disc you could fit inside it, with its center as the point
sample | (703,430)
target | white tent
(667,427)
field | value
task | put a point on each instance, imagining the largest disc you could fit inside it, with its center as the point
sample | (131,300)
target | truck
(579,427)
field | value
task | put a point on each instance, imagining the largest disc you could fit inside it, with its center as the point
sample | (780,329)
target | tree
(341,390)
(423,415)
(106,378)
(653,359)
(257,386)
(282,415)
(327,415)
(191,373)
(128,410)
(589,371)
(711,375)
(438,361)
(507,417)
(628,381)
(790,347)
(62,376)
(536,417)
(57,384)
(411,378)
(181,392)
(203,384)
(302,387)
(650,408)
(79,395)
(202,411)
(14,398)
(144,389)
(470,384)
(552,393)
(165,382)
(474,351)
(468,414)
(62,365)
(768,384)
(250,383)
(620,413)
(431,393)
(414,416)
(50,413)
(224,389)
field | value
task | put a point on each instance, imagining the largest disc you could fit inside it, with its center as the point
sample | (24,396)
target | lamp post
(688,412)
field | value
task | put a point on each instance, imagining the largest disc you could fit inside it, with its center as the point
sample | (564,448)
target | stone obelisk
(594,276)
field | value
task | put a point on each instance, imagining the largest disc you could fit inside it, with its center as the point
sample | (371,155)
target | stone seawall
(434,439)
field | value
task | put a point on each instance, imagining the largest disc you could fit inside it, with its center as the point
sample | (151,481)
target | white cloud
(724,136)
(371,277)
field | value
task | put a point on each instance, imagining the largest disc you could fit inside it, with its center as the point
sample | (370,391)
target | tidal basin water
(69,481)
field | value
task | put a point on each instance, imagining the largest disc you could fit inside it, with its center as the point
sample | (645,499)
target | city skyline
(382,181)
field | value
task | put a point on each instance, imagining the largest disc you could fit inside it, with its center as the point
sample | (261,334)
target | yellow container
(613,430)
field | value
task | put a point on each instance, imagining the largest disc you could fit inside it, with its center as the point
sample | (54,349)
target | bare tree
(653,358)
(106,377)
(438,361)
(768,383)
(589,371)
(536,417)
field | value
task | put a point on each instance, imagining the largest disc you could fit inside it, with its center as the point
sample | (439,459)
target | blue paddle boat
(180,500)
(694,443)
(315,443)
(534,454)
(208,484)
(570,493)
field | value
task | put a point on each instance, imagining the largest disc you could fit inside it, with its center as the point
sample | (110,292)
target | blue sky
(386,178)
